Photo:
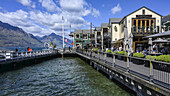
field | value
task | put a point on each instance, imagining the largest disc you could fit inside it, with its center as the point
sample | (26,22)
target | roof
(104,25)
(164,34)
(83,30)
(98,28)
(115,20)
(139,9)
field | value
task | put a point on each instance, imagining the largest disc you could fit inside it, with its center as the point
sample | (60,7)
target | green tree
(51,43)
(54,46)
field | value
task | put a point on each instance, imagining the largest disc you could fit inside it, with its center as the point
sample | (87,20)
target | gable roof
(104,25)
(139,9)
(115,20)
(84,31)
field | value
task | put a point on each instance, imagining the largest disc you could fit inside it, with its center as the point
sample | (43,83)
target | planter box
(147,63)
(138,61)
(109,55)
(119,57)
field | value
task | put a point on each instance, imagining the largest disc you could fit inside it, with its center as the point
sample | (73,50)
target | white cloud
(27,3)
(116,9)
(45,22)
(49,5)
(95,12)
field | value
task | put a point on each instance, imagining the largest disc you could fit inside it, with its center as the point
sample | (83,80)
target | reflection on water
(66,77)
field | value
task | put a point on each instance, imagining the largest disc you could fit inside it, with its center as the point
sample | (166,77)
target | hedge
(164,58)
(109,51)
(96,49)
(150,57)
(140,55)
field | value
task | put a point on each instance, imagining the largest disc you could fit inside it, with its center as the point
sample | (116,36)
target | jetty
(144,80)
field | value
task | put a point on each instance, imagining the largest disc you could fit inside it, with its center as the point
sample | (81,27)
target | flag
(72,43)
(65,40)
(29,49)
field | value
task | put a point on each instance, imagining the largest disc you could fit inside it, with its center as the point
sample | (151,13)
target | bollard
(151,72)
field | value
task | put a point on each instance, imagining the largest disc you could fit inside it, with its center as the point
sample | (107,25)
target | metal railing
(144,29)
(12,55)
(152,71)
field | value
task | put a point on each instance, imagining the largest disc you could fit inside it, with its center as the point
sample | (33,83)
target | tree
(51,43)
(54,46)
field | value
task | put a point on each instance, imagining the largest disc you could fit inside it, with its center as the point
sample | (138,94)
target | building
(83,38)
(140,23)
(166,23)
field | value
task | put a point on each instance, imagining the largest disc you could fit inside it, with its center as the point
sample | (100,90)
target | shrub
(123,53)
(115,52)
(103,50)
(150,57)
(164,58)
(108,51)
(96,49)
(140,55)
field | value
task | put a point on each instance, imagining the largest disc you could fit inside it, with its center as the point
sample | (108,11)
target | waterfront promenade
(153,78)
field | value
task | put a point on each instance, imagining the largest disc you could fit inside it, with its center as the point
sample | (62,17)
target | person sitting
(145,52)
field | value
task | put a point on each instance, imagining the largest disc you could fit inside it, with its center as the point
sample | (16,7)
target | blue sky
(42,17)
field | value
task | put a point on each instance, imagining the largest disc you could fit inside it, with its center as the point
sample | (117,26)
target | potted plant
(138,60)
(121,53)
(149,57)
(163,63)
(109,53)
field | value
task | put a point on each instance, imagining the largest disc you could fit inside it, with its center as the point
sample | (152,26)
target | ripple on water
(66,77)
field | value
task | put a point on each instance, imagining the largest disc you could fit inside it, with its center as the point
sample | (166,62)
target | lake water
(59,77)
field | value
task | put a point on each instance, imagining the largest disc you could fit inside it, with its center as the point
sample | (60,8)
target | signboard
(143,16)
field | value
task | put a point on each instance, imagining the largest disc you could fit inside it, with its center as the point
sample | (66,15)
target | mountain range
(12,36)
(56,39)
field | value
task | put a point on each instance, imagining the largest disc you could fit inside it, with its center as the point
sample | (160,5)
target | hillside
(56,39)
(11,36)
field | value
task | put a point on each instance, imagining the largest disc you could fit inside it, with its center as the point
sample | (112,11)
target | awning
(97,44)
(161,41)
(163,34)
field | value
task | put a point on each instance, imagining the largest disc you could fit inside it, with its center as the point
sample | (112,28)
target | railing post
(127,69)
(98,55)
(114,60)
(151,72)
(94,53)
(104,57)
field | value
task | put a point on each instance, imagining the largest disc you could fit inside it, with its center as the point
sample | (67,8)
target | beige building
(142,22)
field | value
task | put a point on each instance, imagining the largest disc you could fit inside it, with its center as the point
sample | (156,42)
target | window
(77,36)
(143,12)
(115,29)
(115,39)
(84,36)
(168,27)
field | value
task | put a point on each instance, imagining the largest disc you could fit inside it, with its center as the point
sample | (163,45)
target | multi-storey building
(140,23)
(83,38)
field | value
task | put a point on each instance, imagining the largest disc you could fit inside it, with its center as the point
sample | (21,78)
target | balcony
(144,30)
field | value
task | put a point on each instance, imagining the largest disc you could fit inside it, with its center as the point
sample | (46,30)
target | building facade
(140,23)
(83,38)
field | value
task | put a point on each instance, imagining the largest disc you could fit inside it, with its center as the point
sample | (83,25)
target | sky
(43,17)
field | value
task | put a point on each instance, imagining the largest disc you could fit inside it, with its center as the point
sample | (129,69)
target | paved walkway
(160,77)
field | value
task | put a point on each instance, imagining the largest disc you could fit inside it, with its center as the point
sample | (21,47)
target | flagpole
(63,30)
